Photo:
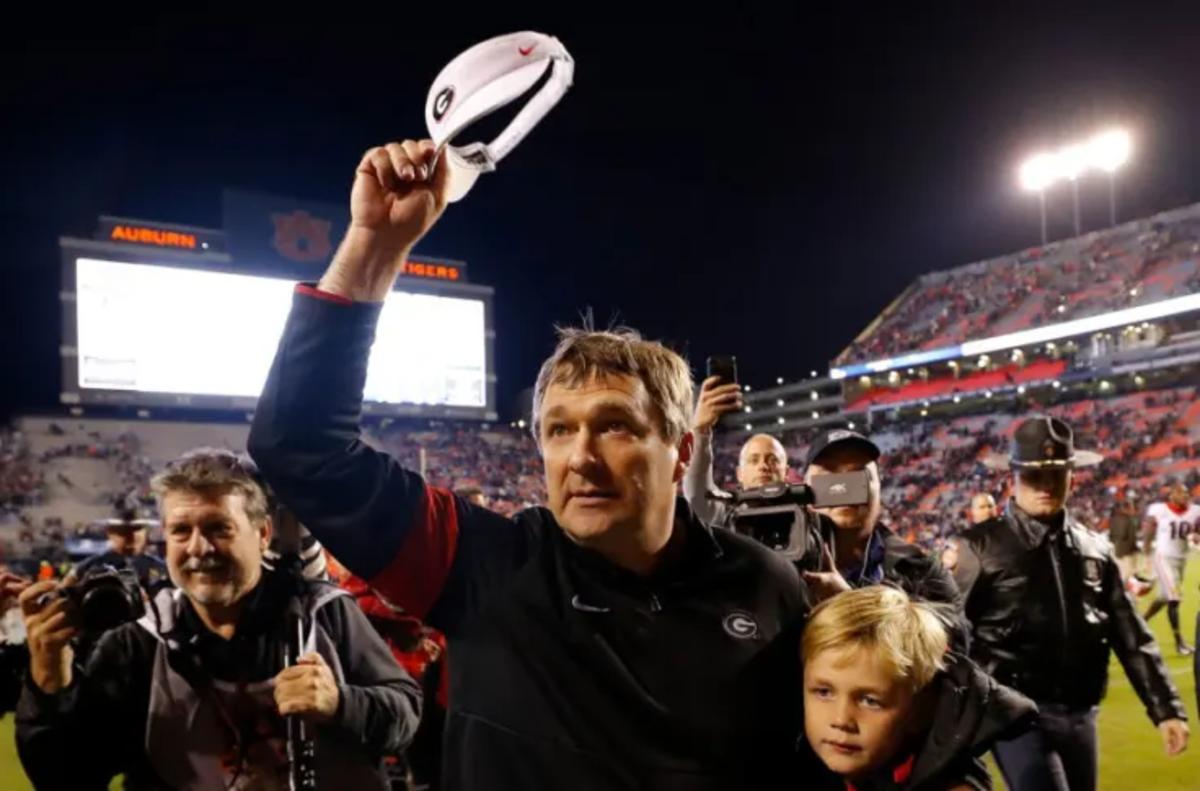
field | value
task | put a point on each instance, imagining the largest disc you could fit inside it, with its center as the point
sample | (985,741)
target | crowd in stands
(500,460)
(123,452)
(929,469)
(1132,264)
(21,480)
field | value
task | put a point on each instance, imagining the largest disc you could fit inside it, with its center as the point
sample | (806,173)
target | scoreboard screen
(144,328)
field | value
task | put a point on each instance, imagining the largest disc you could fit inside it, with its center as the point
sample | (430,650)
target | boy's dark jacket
(970,713)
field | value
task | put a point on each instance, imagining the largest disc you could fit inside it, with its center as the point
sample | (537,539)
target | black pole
(1075,188)
(1042,206)
(1112,197)
(301,748)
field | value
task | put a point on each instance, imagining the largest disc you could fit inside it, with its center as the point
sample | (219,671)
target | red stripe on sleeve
(313,291)
(414,579)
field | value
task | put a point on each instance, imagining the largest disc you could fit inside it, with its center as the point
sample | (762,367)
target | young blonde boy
(886,706)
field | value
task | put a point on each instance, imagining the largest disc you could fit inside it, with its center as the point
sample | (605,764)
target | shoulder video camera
(777,517)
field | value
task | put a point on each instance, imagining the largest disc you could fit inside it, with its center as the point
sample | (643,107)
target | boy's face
(856,713)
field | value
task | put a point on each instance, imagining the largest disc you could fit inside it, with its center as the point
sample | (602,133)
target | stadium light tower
(1072,161)
(1108,151)
(1036,174)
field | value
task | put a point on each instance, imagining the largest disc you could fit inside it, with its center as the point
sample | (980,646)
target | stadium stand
(1133,264)
(58,475)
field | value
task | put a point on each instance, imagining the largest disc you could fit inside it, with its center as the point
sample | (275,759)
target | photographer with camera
(194,693)
(856,549)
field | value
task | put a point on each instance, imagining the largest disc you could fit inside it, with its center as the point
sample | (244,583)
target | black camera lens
(106,607)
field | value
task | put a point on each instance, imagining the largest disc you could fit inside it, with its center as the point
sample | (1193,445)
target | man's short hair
(582,355)
(907,635)
(214,472)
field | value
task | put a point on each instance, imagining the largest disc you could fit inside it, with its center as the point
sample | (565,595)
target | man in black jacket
(610,641)
(858,551)
(194,694)
(1046,602)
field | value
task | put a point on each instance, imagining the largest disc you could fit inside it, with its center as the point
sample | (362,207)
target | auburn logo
(301,237)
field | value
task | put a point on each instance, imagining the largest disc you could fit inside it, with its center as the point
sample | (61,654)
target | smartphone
(847,488)
(724,366)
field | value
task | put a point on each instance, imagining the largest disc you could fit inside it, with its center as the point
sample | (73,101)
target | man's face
(127,540)
(1042,491)
(763,461)
(983,508)
(611,475)
(1180,496)
(856,713)
(849,458)
(213,549)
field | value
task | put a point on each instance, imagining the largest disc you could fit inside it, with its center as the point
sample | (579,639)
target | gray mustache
(204,564)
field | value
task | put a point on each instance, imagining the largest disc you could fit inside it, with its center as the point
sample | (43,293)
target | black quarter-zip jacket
(566,671)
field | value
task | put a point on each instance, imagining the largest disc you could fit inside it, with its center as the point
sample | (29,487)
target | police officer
(1045,600)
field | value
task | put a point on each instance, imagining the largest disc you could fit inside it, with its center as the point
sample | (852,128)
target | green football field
(1131,753)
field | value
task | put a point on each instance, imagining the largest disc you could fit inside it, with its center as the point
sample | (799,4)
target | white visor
(480,81)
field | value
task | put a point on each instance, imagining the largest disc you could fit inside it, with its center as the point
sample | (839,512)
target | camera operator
(857,549)
(193,694)
(762,460)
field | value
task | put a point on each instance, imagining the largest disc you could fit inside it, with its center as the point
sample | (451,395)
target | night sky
(755,181)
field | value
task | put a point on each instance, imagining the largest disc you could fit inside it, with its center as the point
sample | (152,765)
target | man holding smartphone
(761,462)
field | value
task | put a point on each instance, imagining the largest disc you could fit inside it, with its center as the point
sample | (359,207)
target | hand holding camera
(56,614)
(51,623)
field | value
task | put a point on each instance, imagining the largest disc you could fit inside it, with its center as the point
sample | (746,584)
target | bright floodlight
(1072,160)
(1038,172)
(1109,150)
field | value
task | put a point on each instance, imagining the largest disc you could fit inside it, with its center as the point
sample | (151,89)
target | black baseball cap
(839,436)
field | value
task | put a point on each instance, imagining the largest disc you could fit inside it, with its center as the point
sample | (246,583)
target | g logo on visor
(442,103)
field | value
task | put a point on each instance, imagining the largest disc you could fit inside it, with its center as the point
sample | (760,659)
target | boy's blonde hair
(907,635)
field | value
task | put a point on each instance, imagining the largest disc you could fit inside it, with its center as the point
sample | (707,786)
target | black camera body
(778,516)
(105,598)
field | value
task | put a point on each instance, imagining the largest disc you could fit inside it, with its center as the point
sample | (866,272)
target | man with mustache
(608,641)
(1046,603)
(194,694)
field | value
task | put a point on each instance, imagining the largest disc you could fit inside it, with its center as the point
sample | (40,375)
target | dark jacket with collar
(970,713)
(565,671)
(901,565)
(101,725)
(1047,603)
